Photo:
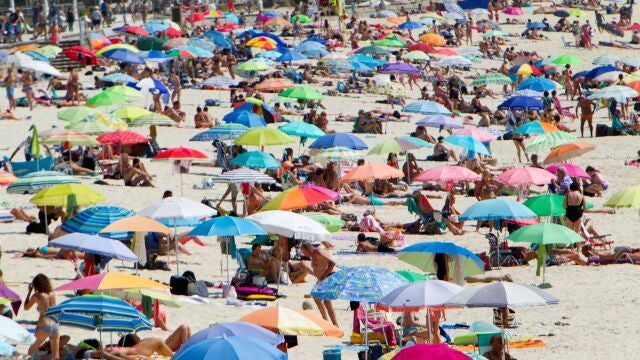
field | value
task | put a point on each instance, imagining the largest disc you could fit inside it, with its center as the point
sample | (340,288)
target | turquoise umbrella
(362,283)
(301,129)
(36,181)
(469,143)
(94,219)
(497,209)
(256,160)
(421,255)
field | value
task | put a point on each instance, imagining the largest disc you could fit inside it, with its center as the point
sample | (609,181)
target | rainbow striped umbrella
(94,219)
(300,197)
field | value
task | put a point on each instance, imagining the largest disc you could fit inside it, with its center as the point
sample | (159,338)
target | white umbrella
(40,67)
(455,61)
(479,12)
(419,295)
(502,294)
(174,209)
(617,92)
(289,224)
(94,244)
(606,59)
(17,59)
(244,175)
(13,333)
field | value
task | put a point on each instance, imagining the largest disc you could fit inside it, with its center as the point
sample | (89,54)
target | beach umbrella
(433,39)
(111,280)
(8,296)
(122,138)
(149,43)
(152,119)
(566,60)
(410,25)
(229,329)
(131,112)
(546,205)
(291,56)
(536,25)
(430,351)
(421,255)
(537,84)
(36,181)
(59,196)
(76,113)
(495,33)
(392,146)
(606,59)
(626,198)
(119,78)
(256,160)
(411,276)
(278,22)
(116,47)
(399,68)
(286,321)
(333,223)
(245,118)
(196,51)
(419,295)
(372,50)
(300,197)
(546,234)
(513,11)
(302,19)
(501,295)
(124,90)
(549,140)
(455,61)
(361,283)
(309,45)
(227,226)
(40,67)
(443,122)
(301,93)
(367,60)
(219,82)
(535,127)
(7,178)
(526,176)
(426,48)
(391,41)
(346,140)
(175,42)
(561,13)
(290,224)
(94,219)
(521,103)
(124,56)
(468,143)
(568,151)
(106,99)
(232,348)
(134,30)
(389,89)
(491,78)
(72,138)
(301,129)
(496,209)
(447,173)
(572,170)
(220,132)
(50,50)
(156,56)
(136,223)
(146,85)
(262,42)
(94,244)
(372,172)
(615,92)
(427,107)
(253,66)
(274,84)
(243,175)
(476,133)
(600,70)
(338,154)
(263,137)
(13,333)
(415,56)
(202,43)
(181,53)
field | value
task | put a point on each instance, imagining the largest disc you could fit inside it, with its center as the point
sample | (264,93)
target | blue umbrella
(148,84)
(497,209)
(441,121)
(410,25)
(301,129)
(368,60)
(536,25)
(233,18)
(124,56)
(271,54)
(362,283)
(156,25)
(399,68)
(157,56)
(219,39)
(235,329)
(521,103)
(221,132)
(37,56)
(219,81)
(427,107)
(315,53)
(537,84)
(94,244)
(360,67)
(202,42)
(422,256)
(317,39)
(256,160)
(309,45)
(94,219)
(595,72)
(245,118)
(227,226)
(468,143)
(230,348)
(290,56)
(268,112)
(533,127)
(373,50)
(349,141)
(119,78)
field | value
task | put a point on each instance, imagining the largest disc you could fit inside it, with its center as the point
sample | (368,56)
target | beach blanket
(534,343)
(351,252)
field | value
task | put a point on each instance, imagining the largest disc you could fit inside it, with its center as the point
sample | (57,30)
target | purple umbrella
(235,329)
(441,121)
(399,68)
(6,293)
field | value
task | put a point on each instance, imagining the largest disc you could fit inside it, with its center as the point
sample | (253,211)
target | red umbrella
(228,27)
(423,47)
(182,153)
(196,17)
(525,176)
(135,30)
(447,52)
(122,138)
(81,54)
(173,33)
(635,26)
(447,174)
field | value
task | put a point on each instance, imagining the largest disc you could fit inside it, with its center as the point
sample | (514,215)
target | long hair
(42,284)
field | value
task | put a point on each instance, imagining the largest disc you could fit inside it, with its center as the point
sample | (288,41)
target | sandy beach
(595,317)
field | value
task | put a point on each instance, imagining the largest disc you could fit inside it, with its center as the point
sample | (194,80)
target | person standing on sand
(43,297)
(27,87)
(10,84)
(321,267)
(587,108)
(174,80)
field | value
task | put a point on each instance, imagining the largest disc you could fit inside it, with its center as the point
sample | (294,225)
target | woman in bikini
(27,87)
(597,183)
(575,204)
(43,297)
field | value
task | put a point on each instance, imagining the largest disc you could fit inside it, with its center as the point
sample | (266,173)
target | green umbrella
(495,33)
(416,55)
(302,93)
(576,12)
(491,78)
(76,113)
(333,223)
(149,43)
(566,60)
(124,90)
(411,276)
(302,19)
(88,127)
(253,66)
(625,198)
(131,112)
(106,99)
(392,41)
(152,119)
(263,136)
(550,140)
(548,205)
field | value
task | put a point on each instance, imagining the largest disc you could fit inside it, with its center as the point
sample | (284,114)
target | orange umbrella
(137,223)
(24,48)
(292,322)
(433,39)
(396,20)
(278,22)
(7,178)
(568,151)
(371,172)
(548,127)
(635,85)
(262,42)
(275,85)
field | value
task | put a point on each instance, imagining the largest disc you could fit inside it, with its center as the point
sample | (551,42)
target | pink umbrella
(513,11)
(573,170)
(481,135)
(447,174)
(263,18)
(526,176)
(430,352)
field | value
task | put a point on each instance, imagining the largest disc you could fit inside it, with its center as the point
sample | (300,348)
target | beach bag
(198,288)
(602,130)
(242,278)
(254,290)
(22,102)
(211,102)
(179,285)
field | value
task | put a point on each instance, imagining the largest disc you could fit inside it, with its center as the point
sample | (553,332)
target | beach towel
(519,344)
(351,252)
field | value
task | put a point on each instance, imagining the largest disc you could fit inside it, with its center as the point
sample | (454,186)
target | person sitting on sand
(365,244)
(441,152)
(200,120)
(497,351)
(597,184)
(450,215)
(421,133)
(410,168)
(260,262)
(175,113)
(134,174)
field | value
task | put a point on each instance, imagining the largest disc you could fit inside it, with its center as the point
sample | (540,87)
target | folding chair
(566,43)
(498,254)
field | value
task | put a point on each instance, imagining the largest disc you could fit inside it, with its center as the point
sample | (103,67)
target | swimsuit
(10,91)
(48,328)
(574,212)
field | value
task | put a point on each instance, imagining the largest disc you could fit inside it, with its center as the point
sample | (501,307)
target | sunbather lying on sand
(603,257)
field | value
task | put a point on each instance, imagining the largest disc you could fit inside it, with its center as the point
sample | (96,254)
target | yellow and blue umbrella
(362,283)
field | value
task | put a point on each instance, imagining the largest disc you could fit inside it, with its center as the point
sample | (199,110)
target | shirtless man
(131,347)
(174,80)
(587,108)
(321,267)
(262,263)
(27,87)
(230,61)
(72,85)
(10,84)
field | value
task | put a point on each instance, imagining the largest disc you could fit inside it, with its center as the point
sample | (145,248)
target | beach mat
(512,344)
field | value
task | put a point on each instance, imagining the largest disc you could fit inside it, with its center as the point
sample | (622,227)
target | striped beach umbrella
(36,181)
(338,154)
(440,121)
(491,78)
(152,119)
(244,175)
(606,59)
(219,82)
(286,321)
(550,140)
(221,132)
(94,219)
(389,89)
(427,107)
(88,127)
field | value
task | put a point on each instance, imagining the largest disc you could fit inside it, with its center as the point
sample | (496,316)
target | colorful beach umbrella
(345,140)
(227,226)
(88,127)
(180,153)
(94,219)
(421,255)
(572,170)
(566,60)
(111,280)
(221,132)
(14,333)
(391,41)
(72,138)
(521,103)
(245,118)
(535,127)
(94,244)
(372,172)
(300,197)
(372,50)
(286,321)
(136,223)
(244,175)
(426,107)
(568,151)
(546,234)
(443,122)
(263,137)
(433,39)
(7,178)
(501,295)
(429,351)
(256,160)
(476,133)
(550,140)
(229,329)
(274,84)
(491,78)
(290,224)
(152,119)
(361,283)
(537,84)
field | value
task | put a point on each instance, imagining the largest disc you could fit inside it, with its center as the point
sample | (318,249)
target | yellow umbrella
(131,112)
(137,223)
(433,39)
(262,42)
(118,46)
(278,22)
(61,195)
(110,280)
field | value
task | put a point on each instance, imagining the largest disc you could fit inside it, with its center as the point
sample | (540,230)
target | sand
(597,304)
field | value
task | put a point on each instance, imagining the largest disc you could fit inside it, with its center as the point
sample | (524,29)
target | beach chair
(565,111)
(566,43)
(379,328)
(596,241)
(499,255)
(431,223)
(619,126)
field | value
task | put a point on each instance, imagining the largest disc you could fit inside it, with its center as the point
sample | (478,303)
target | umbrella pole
(366,332)
(228,245)
(429,325)
(46,222)
(175,238)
